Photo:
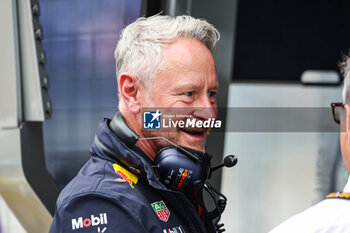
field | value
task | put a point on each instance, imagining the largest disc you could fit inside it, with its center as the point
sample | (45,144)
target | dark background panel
(277,40)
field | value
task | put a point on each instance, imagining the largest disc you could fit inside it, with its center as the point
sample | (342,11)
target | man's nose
(205,108)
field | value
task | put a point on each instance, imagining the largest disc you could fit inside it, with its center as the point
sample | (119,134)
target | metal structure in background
(25,184)
(167,7)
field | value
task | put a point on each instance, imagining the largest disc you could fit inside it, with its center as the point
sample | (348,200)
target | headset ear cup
(178,171)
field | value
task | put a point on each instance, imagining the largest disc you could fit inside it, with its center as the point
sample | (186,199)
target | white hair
(345,71)
(139,48)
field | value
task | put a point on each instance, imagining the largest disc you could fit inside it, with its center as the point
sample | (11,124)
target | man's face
(188,81)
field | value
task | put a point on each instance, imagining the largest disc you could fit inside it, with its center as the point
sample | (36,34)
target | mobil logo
(80,222)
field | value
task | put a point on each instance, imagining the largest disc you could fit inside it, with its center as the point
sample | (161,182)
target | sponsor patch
(125,175)
(100,219)
(178,229)
(161,210)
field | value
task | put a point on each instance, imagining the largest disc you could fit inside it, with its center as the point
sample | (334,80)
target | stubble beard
(171,135)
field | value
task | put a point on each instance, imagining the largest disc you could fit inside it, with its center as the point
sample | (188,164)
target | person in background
(333,213)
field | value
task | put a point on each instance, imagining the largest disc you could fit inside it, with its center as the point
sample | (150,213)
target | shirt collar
(110,147)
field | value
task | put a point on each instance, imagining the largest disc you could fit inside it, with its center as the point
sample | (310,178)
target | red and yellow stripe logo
(125,175)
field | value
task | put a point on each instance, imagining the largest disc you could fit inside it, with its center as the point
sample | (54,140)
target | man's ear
(347,122)
(129,88)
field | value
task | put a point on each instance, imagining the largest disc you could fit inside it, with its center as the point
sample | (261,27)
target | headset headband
(122,130)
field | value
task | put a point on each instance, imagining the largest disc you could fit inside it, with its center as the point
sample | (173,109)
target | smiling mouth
(194,132)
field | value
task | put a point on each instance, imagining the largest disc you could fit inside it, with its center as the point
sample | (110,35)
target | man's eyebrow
(187,86)
(216,86)
(191,85)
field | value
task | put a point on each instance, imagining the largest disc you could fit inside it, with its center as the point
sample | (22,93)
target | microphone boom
(229,161)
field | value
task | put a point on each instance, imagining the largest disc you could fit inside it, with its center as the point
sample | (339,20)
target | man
(333,213)
(162,62)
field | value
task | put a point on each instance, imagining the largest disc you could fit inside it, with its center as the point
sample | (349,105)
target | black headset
(178,168)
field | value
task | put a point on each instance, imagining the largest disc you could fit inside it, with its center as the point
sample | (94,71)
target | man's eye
(212,94)
(189,93)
